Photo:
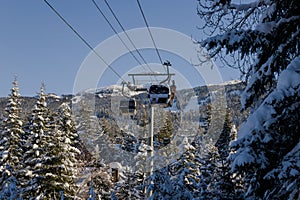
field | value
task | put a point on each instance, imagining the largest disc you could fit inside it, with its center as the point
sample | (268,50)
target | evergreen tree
(131,187)
(66,124)
(224,185)
(225,137)
(209,164)
(87,124)
(180,179)
(60,163)
(34,181)
(264,37)
(160,184)
(206,118)
(187,170)
(101,183)
(50,157)
(11,143)
(165,133)
(132,183)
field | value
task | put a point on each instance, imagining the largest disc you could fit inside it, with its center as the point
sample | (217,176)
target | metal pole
(151,130)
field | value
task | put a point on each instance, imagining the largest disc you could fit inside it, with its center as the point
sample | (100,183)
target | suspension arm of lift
(167,64)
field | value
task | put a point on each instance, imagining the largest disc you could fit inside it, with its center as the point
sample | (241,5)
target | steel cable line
(115,31)
(83,40)
(132,43)
(145,20)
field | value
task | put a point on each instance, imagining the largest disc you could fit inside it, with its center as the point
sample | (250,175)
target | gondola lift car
(128,104)
(162,94)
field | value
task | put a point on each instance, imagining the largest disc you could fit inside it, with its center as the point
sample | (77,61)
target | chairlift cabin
(159,95)
(163,94)
(128,106)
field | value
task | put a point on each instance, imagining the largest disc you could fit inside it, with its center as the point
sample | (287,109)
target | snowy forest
(51,153)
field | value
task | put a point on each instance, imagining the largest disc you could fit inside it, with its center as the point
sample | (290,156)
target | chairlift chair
(163,94)
(159,95)
(128,106)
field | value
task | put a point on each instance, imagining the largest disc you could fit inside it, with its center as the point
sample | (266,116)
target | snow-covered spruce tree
(34,181)
(264,37)
(101,183)
(11,143)
(224,184)
(225,137)
(208,162)
(66,124)
(59,163)
(187,172)
(160,184)
(131,187)
(164,135)
(180,179)
(87,124)
(207,118)
(54,170)
(133,180)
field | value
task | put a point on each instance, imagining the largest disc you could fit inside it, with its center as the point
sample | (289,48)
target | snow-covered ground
(192,104)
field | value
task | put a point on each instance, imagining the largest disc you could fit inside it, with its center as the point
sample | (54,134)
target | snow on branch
(288,84)
(233,40)
(290,167)
(255,130)
(248,6)
(259,77)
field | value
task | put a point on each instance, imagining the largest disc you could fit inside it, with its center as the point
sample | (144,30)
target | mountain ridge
(103,97)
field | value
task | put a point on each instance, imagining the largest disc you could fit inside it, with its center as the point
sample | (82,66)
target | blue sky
(38,47)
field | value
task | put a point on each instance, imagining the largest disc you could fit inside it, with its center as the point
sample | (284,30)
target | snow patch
(192,104)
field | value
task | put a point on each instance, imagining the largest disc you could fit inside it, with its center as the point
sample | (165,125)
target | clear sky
(38,47)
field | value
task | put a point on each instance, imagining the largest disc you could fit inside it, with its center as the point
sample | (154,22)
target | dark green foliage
(11,143)
(226,186)
(186,170)
(160,184)
(50,160)
(164,135)
(131,187)
(263,37)
(101,183)
(61,165)
(34,175)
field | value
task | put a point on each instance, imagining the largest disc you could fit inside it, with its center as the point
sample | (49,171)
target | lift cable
(115,31)
(132,43)
(83,40)
(145,20)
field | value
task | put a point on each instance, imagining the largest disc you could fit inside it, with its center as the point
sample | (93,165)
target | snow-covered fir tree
(225,184)
(187,172)
(160,185)
(263,36)
(87,124)
(34,181)
(164,135)
(66,124)
(50,160)
(209,163)
(133,180)
(180,179)
(11,143)
(60,158)
(101,184)
(131,186)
